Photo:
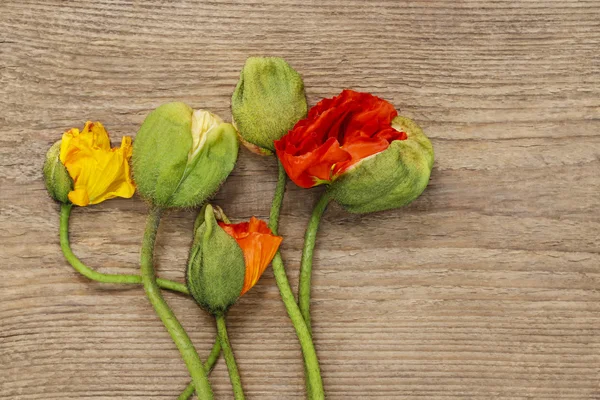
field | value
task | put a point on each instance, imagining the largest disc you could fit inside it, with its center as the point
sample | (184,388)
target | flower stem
(168,318)
(311,362)
(314,382)
(208,366)
(307,257)
(65,213)
(234,375)
(277,198)
(189,390)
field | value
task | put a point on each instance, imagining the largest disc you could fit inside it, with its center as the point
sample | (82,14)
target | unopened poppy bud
(57,179)
(216,267)
(268,100)
(181,156)
(214,276)
(389,179)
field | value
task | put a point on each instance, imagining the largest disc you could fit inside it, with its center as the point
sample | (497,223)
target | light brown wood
(488,286)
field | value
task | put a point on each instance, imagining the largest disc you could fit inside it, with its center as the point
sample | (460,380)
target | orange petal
(258,244)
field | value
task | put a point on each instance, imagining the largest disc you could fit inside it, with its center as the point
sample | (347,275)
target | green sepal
(58,181)
(267,102)
(209,168)
(216,266)
(165,173)
(199,221)
(160,152)
(390,179)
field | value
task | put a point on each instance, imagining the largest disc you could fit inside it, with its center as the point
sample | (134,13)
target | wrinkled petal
(359,149)
(313,167)
(258,244)
(203,122)
(99,173)
(338,133)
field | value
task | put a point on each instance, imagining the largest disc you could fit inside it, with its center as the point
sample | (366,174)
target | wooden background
(488,286)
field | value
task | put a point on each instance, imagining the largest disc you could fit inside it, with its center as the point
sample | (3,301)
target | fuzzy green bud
(267,102)
(216,266)
(390,179)
(181,157)
(57,178)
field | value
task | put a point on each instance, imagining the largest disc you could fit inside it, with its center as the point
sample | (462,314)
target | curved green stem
(79,266)
(307,257)
(189,390)
(277,198)
(65,213)
(234,375)
(311,362)
(178,334)
(314,383)
(208,366)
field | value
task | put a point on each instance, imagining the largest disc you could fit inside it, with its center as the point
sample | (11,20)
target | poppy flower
(337,134)
(226,260)
(98,171)
(258,244)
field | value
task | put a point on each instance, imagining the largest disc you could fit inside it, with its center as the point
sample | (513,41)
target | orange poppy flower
(258,244)
(338,133)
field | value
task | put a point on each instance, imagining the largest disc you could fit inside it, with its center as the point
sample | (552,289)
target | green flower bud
(57,178)
(181,156)
(267,102)
(390,179)
(216,266)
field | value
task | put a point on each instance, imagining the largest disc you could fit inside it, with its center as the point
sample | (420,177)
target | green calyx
(267,102)
(181,157)
(57,178)
(216,266)
(390,179)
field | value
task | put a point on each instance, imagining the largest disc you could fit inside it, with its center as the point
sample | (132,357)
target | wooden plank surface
(488,286)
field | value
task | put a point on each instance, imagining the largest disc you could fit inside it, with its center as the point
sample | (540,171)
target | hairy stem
(65,213)
(234,375)
(208,366)
(168,318)
(277,198)
(314,383)
(310,239)
(189,390)
(79,266)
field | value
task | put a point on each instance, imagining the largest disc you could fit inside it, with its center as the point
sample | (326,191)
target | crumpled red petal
(338,133)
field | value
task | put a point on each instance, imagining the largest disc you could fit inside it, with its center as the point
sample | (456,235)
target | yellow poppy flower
(99,172)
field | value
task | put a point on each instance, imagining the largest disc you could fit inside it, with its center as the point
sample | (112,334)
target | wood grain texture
(488,286)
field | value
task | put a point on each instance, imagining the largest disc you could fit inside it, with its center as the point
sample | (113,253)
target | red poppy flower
(258,244)
(337,133)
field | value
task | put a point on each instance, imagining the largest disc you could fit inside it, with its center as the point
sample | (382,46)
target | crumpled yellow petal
(99,172)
